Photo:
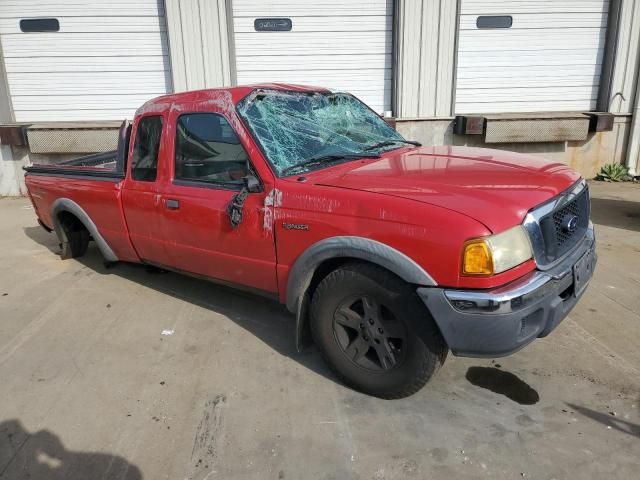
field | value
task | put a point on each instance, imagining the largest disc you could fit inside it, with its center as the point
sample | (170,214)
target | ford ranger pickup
(389,254)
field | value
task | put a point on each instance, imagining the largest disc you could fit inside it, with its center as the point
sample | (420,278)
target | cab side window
(209,151)
(144,165)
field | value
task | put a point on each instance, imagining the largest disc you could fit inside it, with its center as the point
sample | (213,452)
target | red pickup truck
(389,254)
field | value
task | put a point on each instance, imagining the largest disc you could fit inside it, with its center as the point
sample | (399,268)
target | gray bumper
(498,322)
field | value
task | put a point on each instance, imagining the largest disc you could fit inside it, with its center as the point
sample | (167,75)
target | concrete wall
(12,159)
(199,45)
(585,156)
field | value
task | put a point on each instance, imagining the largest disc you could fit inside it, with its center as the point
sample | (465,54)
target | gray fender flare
(67,205)
(361,248)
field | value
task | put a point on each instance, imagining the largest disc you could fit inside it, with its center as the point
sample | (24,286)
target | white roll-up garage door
(106,59)
(549,59)
(344,45)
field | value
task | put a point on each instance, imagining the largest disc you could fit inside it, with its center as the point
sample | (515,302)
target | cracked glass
(300,131)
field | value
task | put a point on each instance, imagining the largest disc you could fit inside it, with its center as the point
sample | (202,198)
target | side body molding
(67,205)
(361,248)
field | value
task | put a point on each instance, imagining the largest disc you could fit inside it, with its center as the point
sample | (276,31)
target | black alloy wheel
(374,332)
(369,334)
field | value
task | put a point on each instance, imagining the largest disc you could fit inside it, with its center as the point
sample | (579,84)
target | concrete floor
(90,388)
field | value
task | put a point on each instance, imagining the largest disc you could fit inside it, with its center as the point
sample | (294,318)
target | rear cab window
(144,163)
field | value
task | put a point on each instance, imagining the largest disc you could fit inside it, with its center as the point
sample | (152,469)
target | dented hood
(494,187)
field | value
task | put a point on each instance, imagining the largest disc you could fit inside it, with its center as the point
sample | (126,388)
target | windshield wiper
(386,143)
(326,160)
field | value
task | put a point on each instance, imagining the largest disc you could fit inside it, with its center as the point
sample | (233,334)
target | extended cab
(388,253)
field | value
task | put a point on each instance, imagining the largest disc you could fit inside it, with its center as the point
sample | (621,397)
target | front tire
(374,332)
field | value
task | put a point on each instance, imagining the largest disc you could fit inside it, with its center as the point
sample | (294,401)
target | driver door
(207,163)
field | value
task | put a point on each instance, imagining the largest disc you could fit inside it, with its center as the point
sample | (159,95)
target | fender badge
(295,226)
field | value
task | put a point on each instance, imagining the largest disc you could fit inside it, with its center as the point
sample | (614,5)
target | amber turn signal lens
(477,259)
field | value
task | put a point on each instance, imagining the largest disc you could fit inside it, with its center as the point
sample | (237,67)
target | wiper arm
(326,159)
(386,143)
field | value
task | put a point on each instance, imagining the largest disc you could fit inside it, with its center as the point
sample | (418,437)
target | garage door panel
(499,7)
(61,83)
(552,55)
(310,8)
(365,81)
(81,102)
(320,62)
(543,20)
(77,8)
(311,43)
(521,107)
(530,77)
(105,61)
(531,82)
(524,40)
(10,26)
(471,60)
(527,72)
(375,23)
(524,94)
(83,44)
(54,115)
(336,44)
(88,64)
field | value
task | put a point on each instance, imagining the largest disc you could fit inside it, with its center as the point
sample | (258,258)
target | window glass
(494,21)
(208,150)
(144,165)
(29,25)
(294,128)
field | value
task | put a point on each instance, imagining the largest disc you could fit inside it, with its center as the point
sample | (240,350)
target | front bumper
(498,322)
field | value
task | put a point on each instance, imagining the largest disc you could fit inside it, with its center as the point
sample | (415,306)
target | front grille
(558,226)
(578,207)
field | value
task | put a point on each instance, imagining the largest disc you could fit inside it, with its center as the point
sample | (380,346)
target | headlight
(496,253)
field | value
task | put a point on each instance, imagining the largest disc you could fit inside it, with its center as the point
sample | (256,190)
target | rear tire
(374,332)
(76,239)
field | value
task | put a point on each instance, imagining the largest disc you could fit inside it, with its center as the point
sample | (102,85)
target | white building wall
(425,49)
(626,78)
(202,55)
(199,44)
(627,58)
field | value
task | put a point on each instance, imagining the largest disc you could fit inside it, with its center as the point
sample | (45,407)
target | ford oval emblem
(570,223)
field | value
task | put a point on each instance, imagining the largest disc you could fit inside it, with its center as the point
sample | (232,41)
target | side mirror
(252,184)
(236,205)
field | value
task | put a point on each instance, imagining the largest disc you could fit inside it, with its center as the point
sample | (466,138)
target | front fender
(360,248)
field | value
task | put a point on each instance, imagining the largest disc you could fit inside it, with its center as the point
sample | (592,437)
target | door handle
(172,204)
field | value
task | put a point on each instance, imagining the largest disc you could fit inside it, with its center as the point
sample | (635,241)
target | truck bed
(102,165)
(93,183)
(107,166)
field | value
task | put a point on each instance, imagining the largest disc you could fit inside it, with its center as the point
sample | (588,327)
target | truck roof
(220,95)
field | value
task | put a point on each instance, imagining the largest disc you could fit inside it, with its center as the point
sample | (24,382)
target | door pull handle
(172,204)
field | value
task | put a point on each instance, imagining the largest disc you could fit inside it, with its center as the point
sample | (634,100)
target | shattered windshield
(301,131)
